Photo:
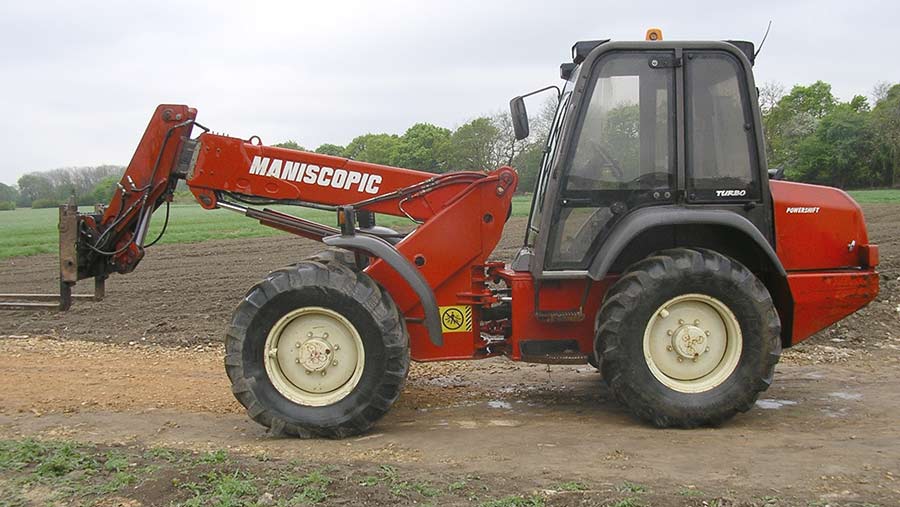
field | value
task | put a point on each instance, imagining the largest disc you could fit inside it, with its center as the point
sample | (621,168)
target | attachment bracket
(68,272)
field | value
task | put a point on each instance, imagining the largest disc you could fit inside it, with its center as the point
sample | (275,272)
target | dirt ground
(145,368)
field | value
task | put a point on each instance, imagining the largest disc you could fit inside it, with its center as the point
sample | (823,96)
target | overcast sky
(79,80)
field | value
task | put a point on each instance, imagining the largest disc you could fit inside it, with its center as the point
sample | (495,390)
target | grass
(881,195)
(628,502)
(160,453)
(231,489)
(39,472)
(571,486)
(67,469)
(516,501)
(28,231)
(33,231)
(630,487)
(400,487)
(213,457)
(71,473)
(690,492)
(309,488)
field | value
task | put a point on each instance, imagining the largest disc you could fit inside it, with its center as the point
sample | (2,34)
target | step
(559,315)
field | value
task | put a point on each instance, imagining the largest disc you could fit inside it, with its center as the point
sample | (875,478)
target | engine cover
(816,227)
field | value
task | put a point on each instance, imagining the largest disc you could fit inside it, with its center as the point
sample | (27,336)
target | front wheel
(688,337)
(317,349)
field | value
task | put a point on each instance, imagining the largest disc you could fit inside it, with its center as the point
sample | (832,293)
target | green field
(881,195)
(30,232)
(33,231)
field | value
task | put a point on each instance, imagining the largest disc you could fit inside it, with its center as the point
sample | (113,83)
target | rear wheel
(688,338)
(317,350)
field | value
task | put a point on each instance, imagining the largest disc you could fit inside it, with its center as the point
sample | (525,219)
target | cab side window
(623,155)
(625,140)
(721,154)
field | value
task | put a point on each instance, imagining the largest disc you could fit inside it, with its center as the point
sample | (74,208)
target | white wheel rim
(314,356)
(692,343)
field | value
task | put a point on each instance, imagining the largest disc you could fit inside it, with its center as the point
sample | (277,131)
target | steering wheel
(599,152)
(658,180)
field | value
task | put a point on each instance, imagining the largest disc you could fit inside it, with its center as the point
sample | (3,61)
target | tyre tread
(327,271)
(624,295)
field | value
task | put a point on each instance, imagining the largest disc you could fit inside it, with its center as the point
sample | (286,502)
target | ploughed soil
(143,369)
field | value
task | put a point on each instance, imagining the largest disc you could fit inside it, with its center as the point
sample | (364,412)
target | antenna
(763,41)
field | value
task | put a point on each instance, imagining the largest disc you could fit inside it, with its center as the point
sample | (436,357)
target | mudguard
(646,218)
(380,248)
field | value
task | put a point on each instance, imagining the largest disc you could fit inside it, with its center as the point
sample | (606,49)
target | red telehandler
(659,248)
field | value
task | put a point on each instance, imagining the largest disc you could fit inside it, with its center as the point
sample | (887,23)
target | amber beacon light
(653,34)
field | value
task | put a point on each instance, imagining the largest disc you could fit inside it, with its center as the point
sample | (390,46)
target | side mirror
(519,118)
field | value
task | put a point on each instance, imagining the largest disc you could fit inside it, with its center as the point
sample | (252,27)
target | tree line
(486,142)
(816,138)
(813,136)
(47,189)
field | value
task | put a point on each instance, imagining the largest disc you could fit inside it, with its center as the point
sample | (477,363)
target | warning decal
(456,319)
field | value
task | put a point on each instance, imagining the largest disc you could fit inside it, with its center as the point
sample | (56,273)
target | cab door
(722,161)
(621,157)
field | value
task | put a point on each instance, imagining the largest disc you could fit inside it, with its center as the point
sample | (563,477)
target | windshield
(537,201)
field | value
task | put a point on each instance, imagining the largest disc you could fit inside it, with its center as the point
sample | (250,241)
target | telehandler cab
(657,249)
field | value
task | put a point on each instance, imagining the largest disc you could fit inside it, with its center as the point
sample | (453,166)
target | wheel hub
(689,342)
(315,354)
(693,343)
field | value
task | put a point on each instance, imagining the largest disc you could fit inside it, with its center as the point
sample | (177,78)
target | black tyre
(594,357)
(336,256)
(317,350)
(687,338)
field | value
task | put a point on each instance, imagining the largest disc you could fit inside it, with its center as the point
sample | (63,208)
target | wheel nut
(273,352)
(334,363)
(309,334)
(696,322)
(337,347)
(707,333)
(707,349)
(308,372)
(663,313)
(324,372)
(297,360)
(324,335)
(297,345)
(670,332)
(669,348)
(681,321)
(680,359)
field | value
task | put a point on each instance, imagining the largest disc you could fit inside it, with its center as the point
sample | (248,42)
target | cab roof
(581,49)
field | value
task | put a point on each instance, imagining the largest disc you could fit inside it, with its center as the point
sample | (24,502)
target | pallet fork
(68,272)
